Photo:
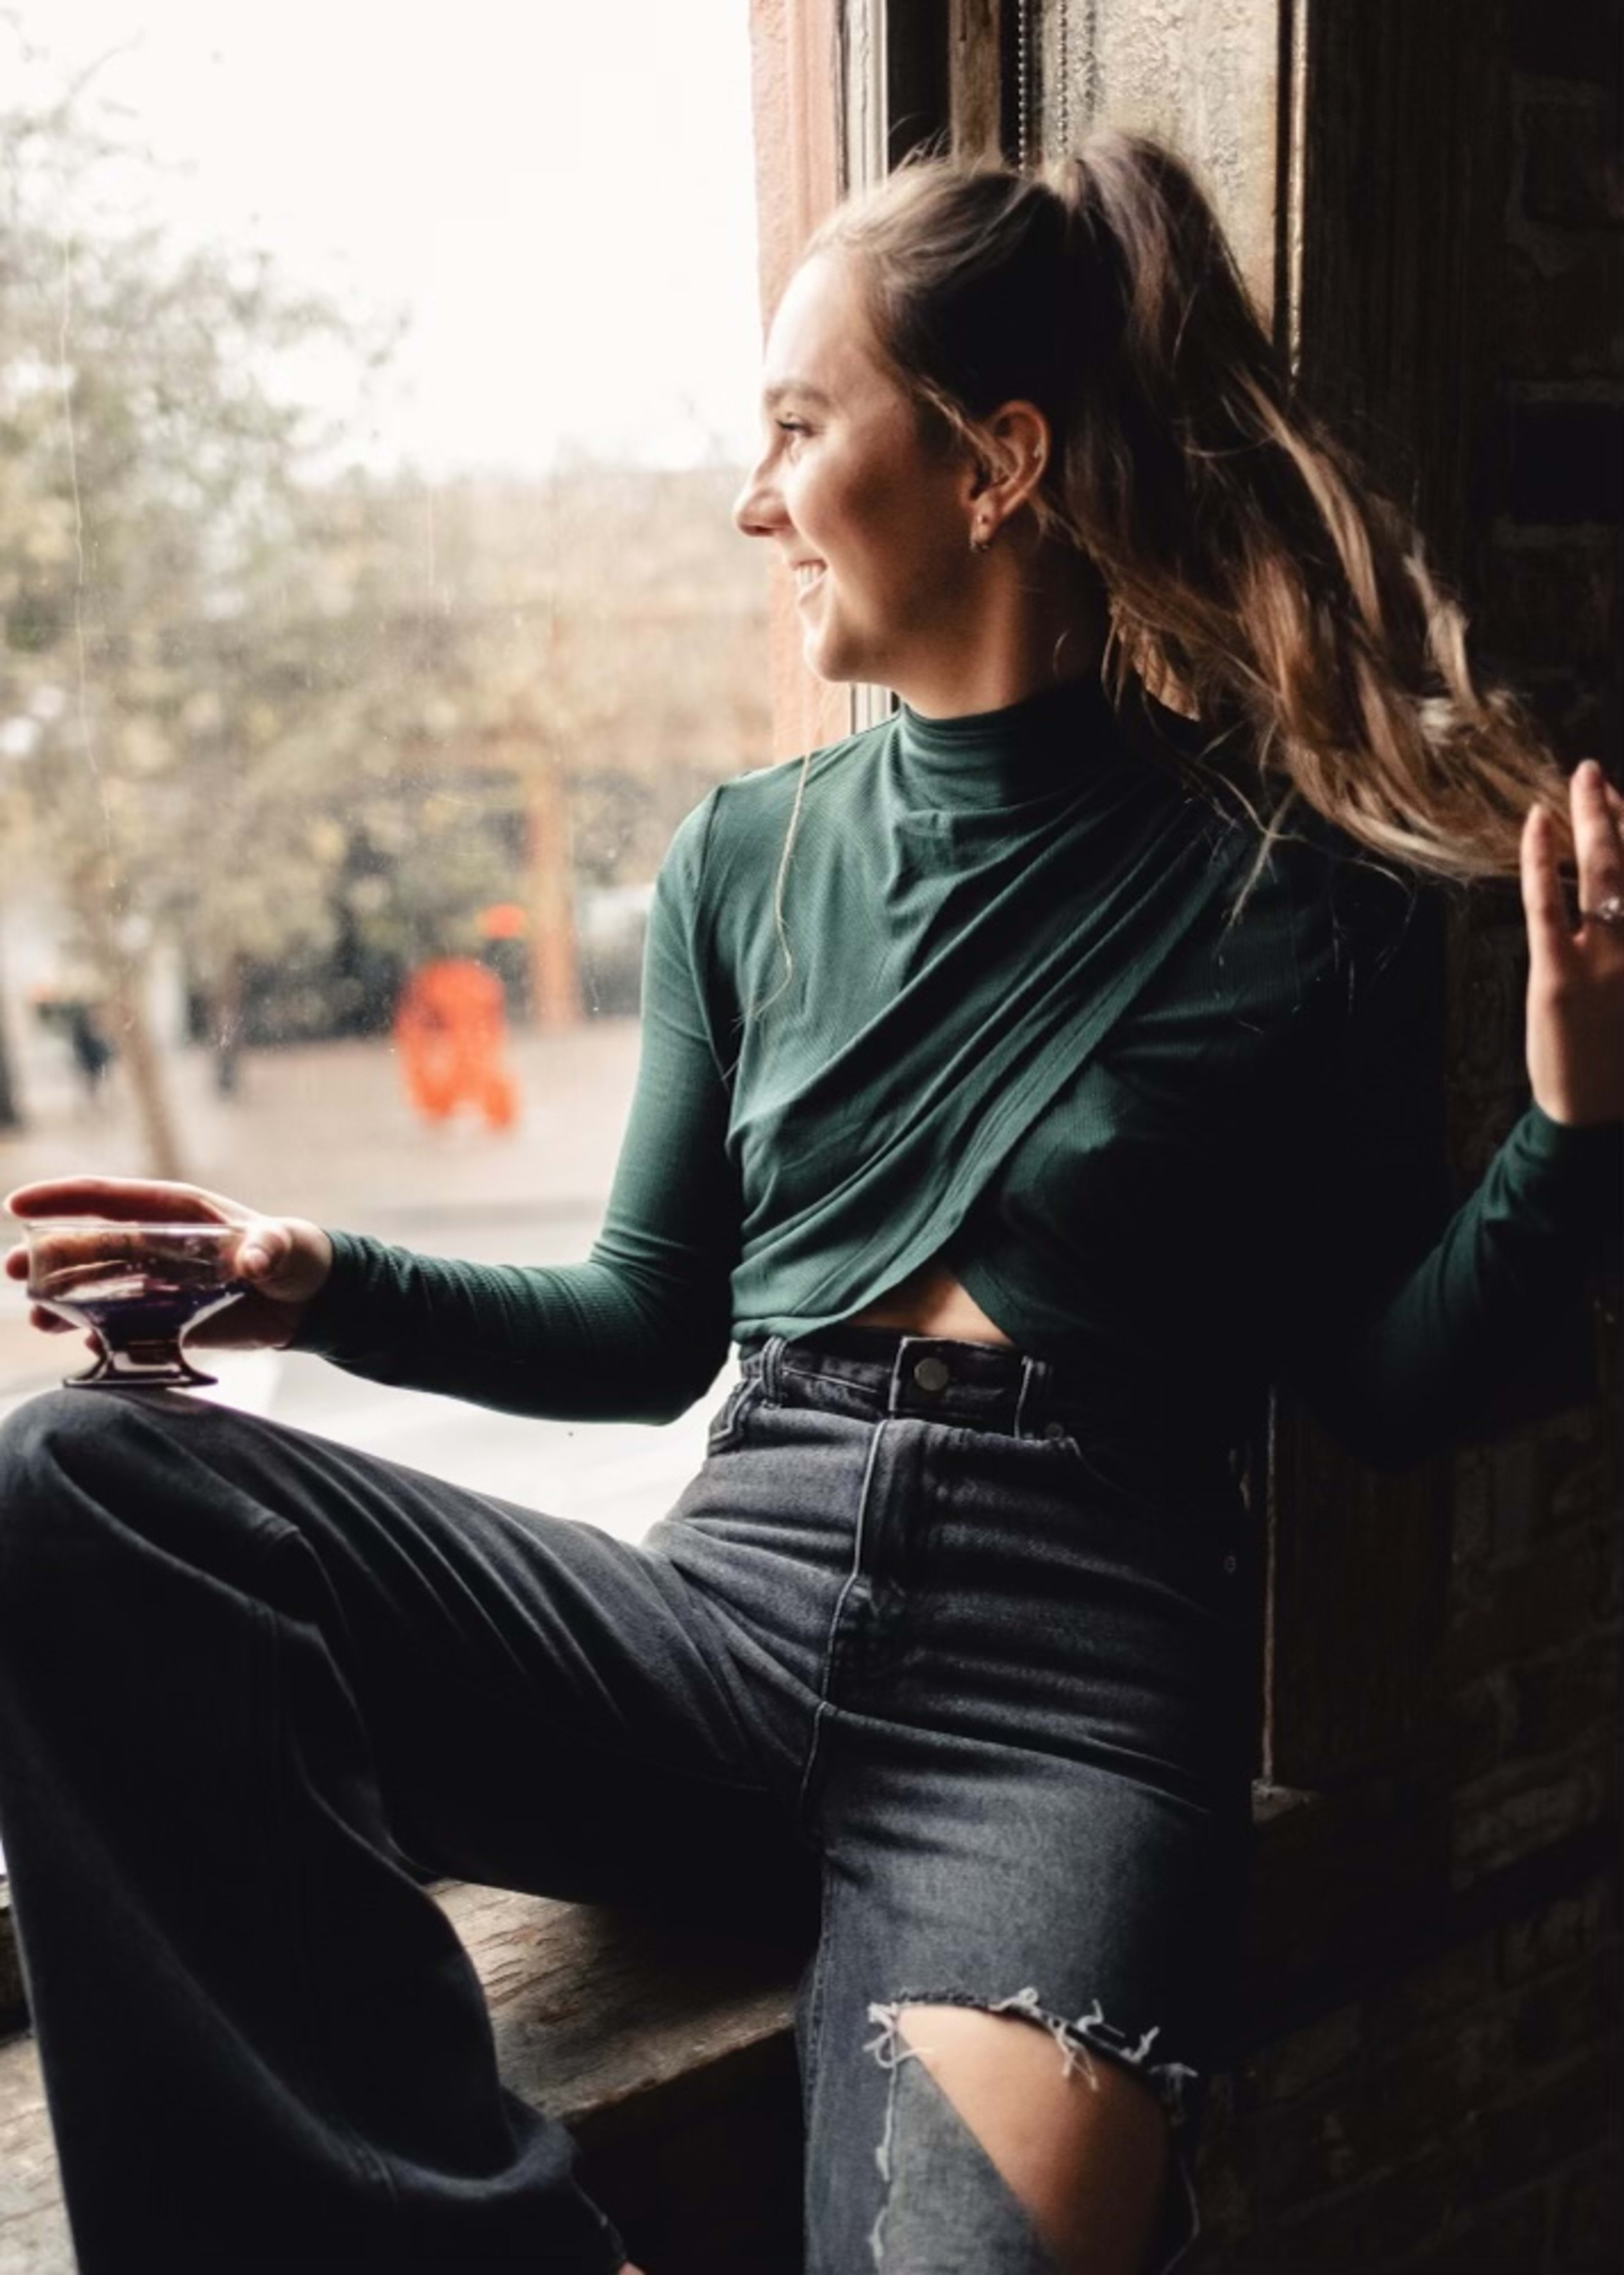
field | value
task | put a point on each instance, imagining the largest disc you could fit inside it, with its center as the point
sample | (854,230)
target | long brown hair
(1255,577)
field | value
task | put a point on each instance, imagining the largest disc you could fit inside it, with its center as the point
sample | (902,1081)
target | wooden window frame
(1349,1769)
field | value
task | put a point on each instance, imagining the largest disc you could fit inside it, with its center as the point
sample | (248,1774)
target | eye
(792,427)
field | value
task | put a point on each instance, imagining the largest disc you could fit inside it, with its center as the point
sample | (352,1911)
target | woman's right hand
(285,1260)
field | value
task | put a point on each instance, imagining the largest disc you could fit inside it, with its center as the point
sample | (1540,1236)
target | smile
(810,574)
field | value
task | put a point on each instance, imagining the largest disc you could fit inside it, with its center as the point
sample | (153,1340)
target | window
(368,441)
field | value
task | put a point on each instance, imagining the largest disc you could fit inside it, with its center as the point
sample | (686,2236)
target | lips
(808,576)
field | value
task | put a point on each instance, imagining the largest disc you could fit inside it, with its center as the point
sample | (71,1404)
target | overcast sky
(561,197)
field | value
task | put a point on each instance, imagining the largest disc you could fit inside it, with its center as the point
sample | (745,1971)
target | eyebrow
(801,388)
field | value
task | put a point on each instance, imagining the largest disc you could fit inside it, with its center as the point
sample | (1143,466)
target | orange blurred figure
(450,1028)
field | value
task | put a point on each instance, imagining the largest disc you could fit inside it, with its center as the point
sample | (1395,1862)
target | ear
(1013,449)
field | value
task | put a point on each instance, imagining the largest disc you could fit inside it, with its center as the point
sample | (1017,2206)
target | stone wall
(1462,2108)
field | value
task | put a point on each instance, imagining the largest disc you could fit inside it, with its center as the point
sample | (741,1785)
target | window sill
(676,2075)
(668,2052)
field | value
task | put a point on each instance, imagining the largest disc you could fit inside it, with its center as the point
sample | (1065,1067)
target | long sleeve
(638,1332)
(1416,1324)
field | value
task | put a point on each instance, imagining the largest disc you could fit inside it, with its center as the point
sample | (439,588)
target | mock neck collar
(1047,742)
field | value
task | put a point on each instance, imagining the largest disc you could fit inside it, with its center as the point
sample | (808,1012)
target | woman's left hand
(1576,981)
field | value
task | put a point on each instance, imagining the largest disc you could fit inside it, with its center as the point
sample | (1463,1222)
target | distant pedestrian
(92,1052)
(450,1028)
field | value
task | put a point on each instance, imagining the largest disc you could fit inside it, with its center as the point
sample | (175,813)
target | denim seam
(816,1994)
(1030,1381)
(824,1703)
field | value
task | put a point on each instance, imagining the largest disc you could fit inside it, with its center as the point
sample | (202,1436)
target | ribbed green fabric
(1178,1157)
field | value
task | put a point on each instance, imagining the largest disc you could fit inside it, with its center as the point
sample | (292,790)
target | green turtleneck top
(1007,1020)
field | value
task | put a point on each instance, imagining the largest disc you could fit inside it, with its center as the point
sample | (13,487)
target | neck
(1036,621)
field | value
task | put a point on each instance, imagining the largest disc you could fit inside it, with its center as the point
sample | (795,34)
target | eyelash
(791,427)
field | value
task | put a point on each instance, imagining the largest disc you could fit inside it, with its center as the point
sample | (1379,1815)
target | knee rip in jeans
(1073,2038)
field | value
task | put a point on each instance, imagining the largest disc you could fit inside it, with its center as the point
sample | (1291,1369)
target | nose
(758,510)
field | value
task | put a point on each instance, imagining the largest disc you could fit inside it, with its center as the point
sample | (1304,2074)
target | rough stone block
(1392,2218)
(1306,2058)
(1566,461)
(1560,2015)
(1481,1724)
(1578,714)
(1589,2221)
(1561,1698)
(1571,175)
(1496,1820)
(1488,959)
(1366,2125)
(1560,1933)
(1554,601)
(1459,1988)
(1508,2238)
(1560,321)
(1471,1536)
(1543,2124)
(1529,1607)
(1225,2180)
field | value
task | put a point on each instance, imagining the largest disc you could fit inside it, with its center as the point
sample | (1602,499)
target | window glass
(374,384)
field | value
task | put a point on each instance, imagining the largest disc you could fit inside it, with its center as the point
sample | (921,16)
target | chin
(838,665)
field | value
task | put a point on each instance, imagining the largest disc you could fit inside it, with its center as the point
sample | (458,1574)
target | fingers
(1597,822)
(147,1198)
(121,1199)
(266,1250)
(1596,812)
(1550,946)
(285,1258)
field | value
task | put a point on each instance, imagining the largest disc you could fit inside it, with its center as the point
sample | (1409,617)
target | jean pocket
(727,1425)
(1144,1478)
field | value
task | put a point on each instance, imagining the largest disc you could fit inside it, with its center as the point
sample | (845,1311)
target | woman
(1025,1081)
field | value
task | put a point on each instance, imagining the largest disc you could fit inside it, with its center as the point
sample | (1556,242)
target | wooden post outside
(796,71)
(554,962)
(976,77)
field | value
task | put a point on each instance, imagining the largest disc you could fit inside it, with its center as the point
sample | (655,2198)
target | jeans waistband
(886,1373)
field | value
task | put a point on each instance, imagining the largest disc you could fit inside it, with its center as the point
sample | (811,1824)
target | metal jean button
(931,1373)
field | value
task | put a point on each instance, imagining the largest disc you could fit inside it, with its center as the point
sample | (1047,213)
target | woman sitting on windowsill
(1025,1081)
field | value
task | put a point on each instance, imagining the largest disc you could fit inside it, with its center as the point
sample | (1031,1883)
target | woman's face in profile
(874,527)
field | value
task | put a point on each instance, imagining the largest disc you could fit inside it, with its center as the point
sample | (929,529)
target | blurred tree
(151,460)
(285,710)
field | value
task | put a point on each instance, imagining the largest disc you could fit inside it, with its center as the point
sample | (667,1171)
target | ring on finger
(1610,911)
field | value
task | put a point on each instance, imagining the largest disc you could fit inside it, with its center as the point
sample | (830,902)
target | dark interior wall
(1454,2103)
(1431,195)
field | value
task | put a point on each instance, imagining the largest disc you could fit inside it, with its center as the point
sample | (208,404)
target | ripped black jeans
(921,1657)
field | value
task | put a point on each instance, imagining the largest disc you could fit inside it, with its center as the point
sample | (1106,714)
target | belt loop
(1034,1377)
(895,1396)
(772,1352)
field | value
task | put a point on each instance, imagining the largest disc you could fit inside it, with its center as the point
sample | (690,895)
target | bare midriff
(930,1302)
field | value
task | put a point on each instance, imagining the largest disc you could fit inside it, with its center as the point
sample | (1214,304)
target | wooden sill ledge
(667,2053)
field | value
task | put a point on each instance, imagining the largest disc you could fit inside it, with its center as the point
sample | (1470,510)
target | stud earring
(980,541)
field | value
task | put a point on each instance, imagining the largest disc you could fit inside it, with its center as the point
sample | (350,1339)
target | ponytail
(1255,579)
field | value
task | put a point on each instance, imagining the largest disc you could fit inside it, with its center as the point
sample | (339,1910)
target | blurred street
(324,1131)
